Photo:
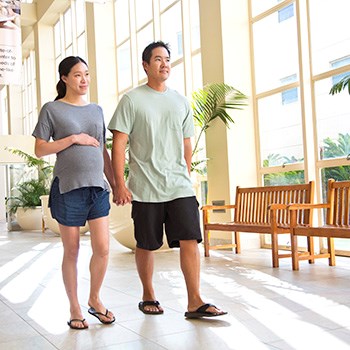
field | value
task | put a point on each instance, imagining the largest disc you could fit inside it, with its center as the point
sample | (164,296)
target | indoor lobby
(284,56)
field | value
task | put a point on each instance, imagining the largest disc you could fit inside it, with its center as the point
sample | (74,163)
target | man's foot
(206,310)
(76,323)
(104,317)
(101,313)
(151,307)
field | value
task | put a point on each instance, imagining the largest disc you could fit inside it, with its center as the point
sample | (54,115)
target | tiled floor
(268,308)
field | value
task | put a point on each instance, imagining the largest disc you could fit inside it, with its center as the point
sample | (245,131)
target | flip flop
(77,320)
(202,312)
(97,314)
(155,303)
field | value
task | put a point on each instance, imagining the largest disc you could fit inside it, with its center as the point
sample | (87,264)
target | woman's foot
(76,323)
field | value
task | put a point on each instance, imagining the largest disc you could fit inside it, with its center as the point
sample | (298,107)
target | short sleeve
(43,128)
(123,117)
(188,125)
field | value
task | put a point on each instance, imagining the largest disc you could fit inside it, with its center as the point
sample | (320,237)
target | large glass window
(297,117)
(329,29)
(275,51)
(332,121)
(122,20)
(69,32)
(124,66)
(139,22)
(171,30)
(29,98)
(280,129)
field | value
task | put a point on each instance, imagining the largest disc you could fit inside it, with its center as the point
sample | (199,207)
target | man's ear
(144,65)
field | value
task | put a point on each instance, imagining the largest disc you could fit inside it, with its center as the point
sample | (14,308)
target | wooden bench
(260,210)
(337,223)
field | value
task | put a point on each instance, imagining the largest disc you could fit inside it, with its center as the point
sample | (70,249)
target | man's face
(159,67)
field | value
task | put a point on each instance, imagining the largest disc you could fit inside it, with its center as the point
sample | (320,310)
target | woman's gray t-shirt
(76,166)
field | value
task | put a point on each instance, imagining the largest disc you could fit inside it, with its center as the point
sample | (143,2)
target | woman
(75,131)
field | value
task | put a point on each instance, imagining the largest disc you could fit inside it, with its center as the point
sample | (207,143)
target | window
(69,32)
(286,13)
(275,52)
(138,22)
(290,95)
(340,63)
(290,131)
(29,100)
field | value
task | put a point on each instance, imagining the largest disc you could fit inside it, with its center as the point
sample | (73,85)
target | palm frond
(212,102)
(341,85)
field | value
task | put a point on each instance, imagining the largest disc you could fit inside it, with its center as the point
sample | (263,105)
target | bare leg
(70,238)
(98,264)
(145,266)
(190,266)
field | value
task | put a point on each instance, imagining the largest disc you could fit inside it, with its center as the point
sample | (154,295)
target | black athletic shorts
(179,219)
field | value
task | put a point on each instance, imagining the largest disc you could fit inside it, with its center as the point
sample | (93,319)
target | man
(158,124)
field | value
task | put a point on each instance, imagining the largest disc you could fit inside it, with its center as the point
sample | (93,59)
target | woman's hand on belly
(85,140)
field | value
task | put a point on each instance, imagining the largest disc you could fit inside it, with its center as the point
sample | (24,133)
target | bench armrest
(307,206)
(277,206)
(215,207)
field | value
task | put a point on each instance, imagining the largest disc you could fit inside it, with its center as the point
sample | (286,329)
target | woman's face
(78,79)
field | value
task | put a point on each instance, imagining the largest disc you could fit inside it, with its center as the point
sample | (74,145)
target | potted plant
(35,182)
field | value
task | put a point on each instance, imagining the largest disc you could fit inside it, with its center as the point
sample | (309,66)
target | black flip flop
(77,320)
(202,312)
(97,314)
(155,303)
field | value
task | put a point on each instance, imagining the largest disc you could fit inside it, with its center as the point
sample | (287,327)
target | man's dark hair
(147,52)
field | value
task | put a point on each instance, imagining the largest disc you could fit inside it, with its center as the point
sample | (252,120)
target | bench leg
(311,249)
(206,243)
(294,247)
(274,248)
(238,243)
(330,243)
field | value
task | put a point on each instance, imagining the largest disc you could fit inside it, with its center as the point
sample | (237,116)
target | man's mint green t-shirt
(157,123)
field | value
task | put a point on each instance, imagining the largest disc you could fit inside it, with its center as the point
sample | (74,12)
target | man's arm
(122,195)
(108,170)
(188,152)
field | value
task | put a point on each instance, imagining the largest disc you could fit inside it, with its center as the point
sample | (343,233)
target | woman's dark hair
(147,52)
(63,69)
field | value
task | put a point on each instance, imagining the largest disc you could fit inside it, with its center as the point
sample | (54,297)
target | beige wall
(226,58)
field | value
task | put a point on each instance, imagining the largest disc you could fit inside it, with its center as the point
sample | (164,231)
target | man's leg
(190,266)
(145,266)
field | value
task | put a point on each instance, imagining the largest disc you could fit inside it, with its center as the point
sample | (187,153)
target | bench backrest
(339,198)
(253,203)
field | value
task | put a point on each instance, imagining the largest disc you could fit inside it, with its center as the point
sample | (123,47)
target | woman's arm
(108,170)
(44,148)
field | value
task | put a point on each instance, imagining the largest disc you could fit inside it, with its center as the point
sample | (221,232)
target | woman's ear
(64,78)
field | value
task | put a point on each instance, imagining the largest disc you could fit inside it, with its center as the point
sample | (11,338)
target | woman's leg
(99,230)
(70,238)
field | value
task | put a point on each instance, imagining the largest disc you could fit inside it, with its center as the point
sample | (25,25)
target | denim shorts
(179,218)
(75,207)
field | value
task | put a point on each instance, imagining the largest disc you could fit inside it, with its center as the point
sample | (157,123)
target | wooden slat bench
(260,210)
(337,223)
